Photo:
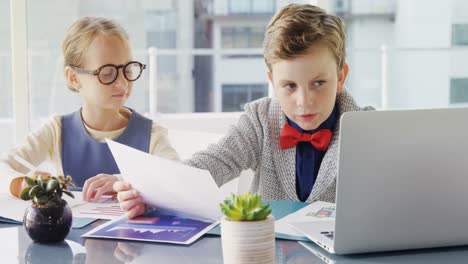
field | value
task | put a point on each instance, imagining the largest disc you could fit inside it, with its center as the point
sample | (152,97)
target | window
(263,6)
(239,6)
(7,123)
(460,34)
(242,37)
(161,29)
(188,71)
(459,90)
(47,86)
(251,6)
(161,33)
(235,96)
(6,91)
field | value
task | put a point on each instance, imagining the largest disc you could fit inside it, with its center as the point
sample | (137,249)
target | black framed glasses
(108,73)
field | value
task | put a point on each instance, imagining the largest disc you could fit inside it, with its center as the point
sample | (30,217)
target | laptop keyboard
(328,234)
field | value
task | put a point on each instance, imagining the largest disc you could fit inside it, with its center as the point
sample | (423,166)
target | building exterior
(207,54)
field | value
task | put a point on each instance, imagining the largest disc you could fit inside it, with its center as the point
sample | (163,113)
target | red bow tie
(290,137)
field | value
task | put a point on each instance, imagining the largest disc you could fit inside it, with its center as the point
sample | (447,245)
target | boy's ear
(270,78)
(342,77)
(72,79)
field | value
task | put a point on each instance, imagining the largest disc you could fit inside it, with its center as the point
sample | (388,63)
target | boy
(290,141)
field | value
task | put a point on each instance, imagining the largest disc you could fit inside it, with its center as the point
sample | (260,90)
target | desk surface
(17,247)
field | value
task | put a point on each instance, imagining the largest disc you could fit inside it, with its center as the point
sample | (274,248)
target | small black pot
(48,224)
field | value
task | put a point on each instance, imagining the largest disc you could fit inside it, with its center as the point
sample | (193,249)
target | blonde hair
(81,34)
(297,27)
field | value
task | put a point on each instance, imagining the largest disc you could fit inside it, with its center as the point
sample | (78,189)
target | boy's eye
(290,85)
(319,83)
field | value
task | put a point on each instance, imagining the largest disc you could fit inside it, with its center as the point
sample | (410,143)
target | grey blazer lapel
(284,160)
(328,169)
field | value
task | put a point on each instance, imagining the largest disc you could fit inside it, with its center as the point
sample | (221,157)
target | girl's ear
(342,78)
(71,77)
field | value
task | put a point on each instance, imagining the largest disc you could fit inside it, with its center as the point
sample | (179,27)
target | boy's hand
(97,186)
(129,199)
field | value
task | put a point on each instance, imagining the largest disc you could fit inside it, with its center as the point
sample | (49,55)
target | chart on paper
(105,208)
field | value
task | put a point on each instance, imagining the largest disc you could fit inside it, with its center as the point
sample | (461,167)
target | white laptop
(402,182)
(452,255)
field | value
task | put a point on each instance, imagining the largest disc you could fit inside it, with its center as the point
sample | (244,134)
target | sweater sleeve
(37,148)
(160,145)
(238,150)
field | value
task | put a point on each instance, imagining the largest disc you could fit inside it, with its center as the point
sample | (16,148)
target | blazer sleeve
(238,150)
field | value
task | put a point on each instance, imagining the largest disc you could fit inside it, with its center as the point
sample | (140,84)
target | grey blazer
(253,143)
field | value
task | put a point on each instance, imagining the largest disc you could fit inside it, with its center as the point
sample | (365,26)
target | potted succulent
(247,230)
(49,218)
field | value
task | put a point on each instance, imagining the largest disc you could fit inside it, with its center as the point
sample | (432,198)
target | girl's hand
(129,199)
(97,186)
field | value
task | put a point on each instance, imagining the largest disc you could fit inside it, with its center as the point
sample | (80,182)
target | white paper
(310,213)
(168,185)
(13,208)
(105,208)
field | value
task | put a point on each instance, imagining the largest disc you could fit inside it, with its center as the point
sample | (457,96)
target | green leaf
(52,185)
(35,190)
(40,180)
(69,194)
(25,194)
(29,181)
(247,206)
(41,199)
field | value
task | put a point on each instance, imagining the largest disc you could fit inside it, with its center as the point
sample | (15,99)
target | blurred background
(205,56)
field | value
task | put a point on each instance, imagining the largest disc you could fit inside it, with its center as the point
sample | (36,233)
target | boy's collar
(327,124)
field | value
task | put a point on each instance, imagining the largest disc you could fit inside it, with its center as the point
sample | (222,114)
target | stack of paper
(315,212)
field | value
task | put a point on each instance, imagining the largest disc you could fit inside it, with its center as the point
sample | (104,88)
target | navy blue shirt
(308,159)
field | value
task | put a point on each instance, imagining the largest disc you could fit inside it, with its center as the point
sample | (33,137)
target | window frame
(19,68)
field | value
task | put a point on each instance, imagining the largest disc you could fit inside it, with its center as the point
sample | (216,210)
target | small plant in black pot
(49,218)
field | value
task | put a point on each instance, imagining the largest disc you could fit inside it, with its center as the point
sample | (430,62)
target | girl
(98,65)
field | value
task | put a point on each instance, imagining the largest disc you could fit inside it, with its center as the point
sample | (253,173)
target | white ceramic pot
(248,241)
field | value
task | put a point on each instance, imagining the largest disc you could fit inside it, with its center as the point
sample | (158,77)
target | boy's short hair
(81,34)
(297,27)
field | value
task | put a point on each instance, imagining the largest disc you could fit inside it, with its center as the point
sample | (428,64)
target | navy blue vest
(83,157)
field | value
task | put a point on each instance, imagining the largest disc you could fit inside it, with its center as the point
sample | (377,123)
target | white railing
(384,55)
(153,53)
